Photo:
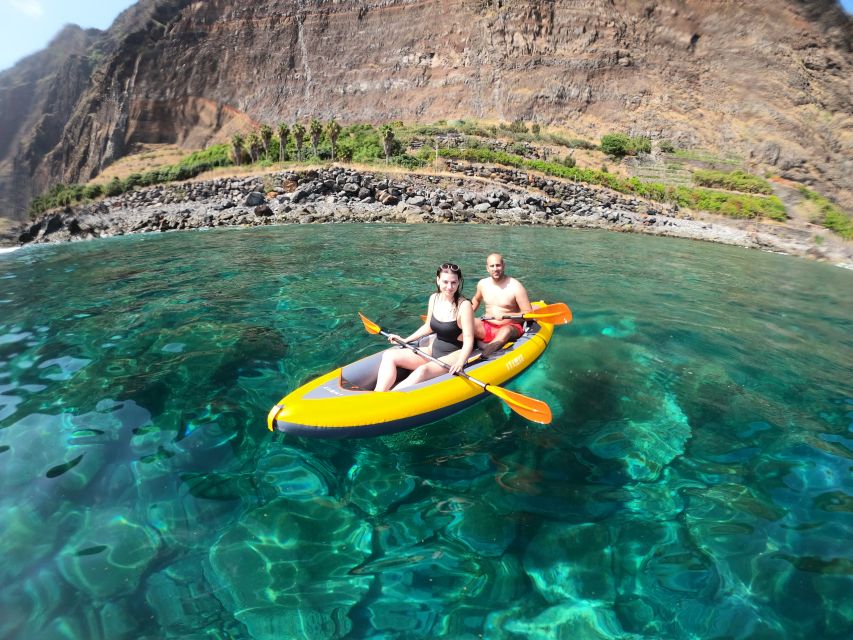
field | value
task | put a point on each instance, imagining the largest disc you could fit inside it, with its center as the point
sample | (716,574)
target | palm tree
(237,148)
(266,135)
(316,130)
(283,135)
(387,140)
(253,142)
(333,130)
(299,138)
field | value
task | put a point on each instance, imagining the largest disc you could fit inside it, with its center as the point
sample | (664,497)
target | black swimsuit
(446,337)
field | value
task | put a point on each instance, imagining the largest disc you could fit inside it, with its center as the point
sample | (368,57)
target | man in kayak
(503,296)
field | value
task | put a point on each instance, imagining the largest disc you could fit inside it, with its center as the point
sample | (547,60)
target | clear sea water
(695,483)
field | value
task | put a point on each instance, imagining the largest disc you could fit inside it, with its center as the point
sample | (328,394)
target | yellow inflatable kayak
(341,403)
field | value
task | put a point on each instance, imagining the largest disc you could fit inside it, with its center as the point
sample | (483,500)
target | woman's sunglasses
(449,266)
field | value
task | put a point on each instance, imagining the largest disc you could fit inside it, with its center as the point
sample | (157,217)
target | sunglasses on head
(449,266)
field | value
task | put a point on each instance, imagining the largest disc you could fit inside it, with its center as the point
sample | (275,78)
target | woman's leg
(421,373)
(427,371)
(391,359)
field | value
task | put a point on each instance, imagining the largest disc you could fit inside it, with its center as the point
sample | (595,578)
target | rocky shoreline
(468,193)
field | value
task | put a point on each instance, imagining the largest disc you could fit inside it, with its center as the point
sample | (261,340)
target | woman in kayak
(451,318)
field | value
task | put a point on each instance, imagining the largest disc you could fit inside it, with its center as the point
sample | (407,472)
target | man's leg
(500,337)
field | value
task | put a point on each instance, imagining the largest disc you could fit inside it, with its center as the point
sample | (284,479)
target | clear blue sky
(26,26)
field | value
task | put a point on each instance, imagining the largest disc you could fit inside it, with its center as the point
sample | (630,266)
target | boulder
(254,199)
(387,198)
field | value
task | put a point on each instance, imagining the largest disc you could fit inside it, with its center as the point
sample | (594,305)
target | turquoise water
(695,483)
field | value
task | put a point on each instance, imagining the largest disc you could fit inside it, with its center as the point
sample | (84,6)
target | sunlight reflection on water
(694,483)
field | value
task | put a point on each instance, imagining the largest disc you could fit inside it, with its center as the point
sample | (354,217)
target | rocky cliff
(770,81)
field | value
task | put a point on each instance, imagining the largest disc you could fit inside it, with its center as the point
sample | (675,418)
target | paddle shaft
(513,317)
(424,354)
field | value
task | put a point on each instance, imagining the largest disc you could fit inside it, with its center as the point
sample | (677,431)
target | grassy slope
(727,194)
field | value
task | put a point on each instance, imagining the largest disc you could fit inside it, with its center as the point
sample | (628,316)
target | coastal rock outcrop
(472,194)
(768,82)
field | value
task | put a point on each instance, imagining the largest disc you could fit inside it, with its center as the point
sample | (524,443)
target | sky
(26,26)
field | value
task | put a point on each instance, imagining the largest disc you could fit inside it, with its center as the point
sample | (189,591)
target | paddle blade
(531,408)
(370,326)
(557,313)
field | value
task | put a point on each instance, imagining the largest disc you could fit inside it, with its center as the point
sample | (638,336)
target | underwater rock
(480,528)
(374,485)
(561,622)
(565,563)
(288,560)
(28,536)
(645,448)
(182,601)
(108,554)
(410,580)
(293,474)
(39,454)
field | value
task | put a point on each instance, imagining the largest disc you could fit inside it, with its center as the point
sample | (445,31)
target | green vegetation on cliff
(735,205)
(62,195)
(619,145)
(829,215)
(733,180)
(511,145)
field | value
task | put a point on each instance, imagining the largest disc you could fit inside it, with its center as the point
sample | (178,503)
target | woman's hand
(393,337)
(457,366)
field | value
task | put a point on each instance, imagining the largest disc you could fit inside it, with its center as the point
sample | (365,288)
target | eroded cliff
(770,82)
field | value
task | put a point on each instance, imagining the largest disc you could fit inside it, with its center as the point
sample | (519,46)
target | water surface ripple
(695,483)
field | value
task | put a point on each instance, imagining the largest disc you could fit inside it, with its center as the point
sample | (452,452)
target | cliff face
(770,82)
(37,97)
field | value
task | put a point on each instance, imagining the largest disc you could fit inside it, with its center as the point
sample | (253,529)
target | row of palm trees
(259,141)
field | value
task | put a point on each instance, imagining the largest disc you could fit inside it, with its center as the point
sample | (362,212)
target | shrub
(473,129)
(640,144)
(114,187)
(517,126)
(615,144)
(577,143)
(183,172)
(734,181)
(838,222)
(217,155)
(619,145)
(829,215)
(569,161)
(408,161)
(166,174)
(93,191)
(133,180)
(666,146)
(733,205)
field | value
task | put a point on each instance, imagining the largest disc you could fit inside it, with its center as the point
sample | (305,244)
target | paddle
(557,313)
(530,408)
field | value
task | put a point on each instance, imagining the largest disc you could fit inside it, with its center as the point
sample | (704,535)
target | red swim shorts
(491,329)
